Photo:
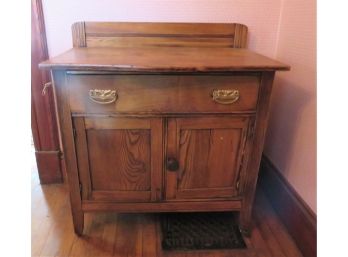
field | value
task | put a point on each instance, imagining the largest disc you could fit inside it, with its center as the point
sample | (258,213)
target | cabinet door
(119,159)
(205,156)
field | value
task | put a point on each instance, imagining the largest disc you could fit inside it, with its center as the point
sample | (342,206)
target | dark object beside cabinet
(195,231)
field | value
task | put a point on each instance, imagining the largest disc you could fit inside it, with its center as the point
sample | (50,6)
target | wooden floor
(129,235)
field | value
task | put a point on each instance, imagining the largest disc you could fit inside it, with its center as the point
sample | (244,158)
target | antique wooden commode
(162,117)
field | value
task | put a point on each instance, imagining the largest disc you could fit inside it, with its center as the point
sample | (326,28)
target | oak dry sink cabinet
(162,117)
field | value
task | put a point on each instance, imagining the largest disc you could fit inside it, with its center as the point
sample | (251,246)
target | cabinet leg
(245,222)
(245,231)
(78,220)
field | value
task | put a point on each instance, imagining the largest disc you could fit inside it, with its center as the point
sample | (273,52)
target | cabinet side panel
(257,148)
(69,153)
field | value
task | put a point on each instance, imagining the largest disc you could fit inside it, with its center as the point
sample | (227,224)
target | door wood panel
(119,162)
(126,149)
(209,151)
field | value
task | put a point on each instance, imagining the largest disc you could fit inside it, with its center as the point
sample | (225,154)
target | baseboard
(49,167)
(295,214)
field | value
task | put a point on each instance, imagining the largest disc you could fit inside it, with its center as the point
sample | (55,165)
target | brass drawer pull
(222,96)
(102,96)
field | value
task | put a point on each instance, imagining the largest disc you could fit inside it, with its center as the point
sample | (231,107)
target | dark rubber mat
(194,231)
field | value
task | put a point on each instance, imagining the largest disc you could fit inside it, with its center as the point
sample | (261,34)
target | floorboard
(135,235)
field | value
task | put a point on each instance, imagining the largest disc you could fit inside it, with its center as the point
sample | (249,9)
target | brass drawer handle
(222,96)
(102,96)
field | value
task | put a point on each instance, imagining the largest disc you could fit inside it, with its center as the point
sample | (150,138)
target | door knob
(172,164)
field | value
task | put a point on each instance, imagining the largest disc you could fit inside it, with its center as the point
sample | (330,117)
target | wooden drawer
(164,93)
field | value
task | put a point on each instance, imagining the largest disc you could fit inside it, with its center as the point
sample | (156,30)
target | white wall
(291,137)
(261,16)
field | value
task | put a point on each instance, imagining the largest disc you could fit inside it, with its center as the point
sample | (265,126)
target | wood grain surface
(202,157)
(209,151)
(162,59)
(115,158)
(120,159)
(258,139)
(118,34)
(198,205)
(69,149)
(121,235)
(163,93)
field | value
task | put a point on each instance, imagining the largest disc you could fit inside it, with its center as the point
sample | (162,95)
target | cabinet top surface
(163,59)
